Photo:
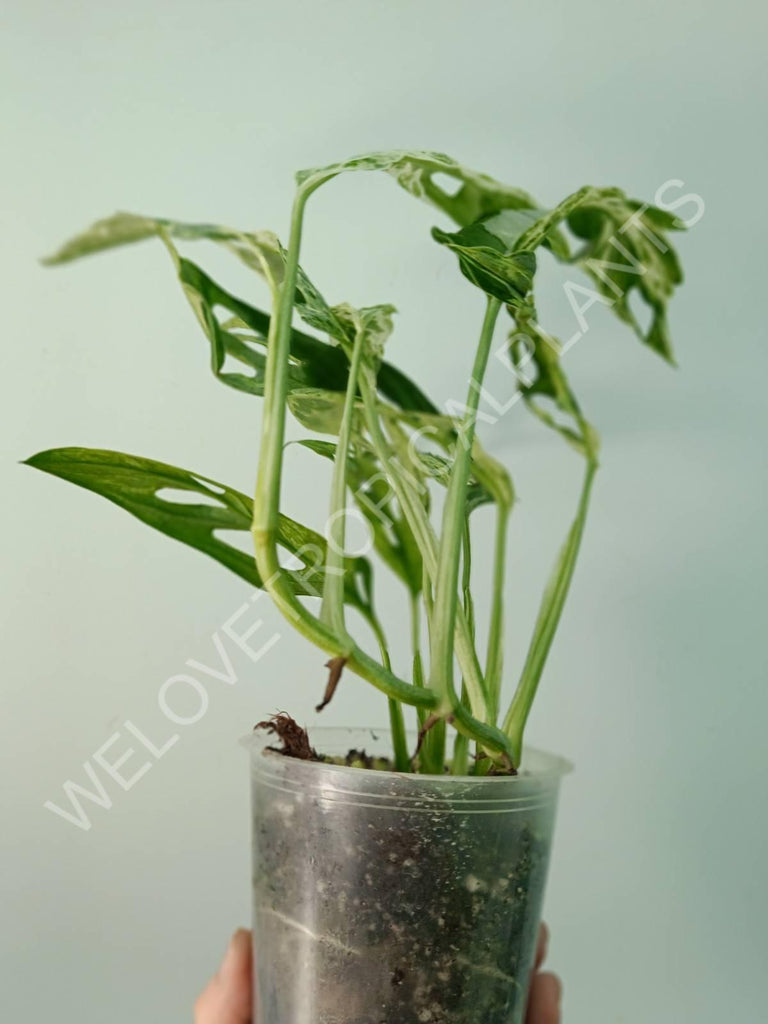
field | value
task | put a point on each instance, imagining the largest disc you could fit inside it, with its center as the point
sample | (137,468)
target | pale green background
(657,685)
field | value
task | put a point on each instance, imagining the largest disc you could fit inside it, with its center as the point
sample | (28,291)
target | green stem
(415,623)
(266,511)
(418,670)
(399,738)
(267,497)
(332,610)
(454,514)
(466,577)
(547,621)
(396,721)
(495,656)
(413,510)
(427,759)
(460,760)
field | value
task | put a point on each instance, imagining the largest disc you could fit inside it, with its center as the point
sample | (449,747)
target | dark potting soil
(296,744)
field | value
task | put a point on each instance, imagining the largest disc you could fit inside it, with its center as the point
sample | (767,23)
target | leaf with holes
(315,364)
(136,484)
(626,250)
(478,194)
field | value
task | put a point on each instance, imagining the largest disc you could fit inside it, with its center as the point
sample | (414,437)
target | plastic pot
(384,898)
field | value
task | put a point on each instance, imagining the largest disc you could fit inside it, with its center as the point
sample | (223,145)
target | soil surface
(295,743)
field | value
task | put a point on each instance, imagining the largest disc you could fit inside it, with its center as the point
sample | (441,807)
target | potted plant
(398,874)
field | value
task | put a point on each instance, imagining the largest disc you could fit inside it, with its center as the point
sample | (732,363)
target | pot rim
(550,766)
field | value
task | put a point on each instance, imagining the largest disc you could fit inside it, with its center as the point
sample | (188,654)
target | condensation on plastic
(385,898)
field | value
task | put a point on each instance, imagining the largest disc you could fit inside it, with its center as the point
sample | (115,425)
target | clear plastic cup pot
(386,898)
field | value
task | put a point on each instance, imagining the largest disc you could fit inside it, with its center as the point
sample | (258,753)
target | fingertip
(544,1004)
(242,939)
(238,954)
(542,945)
(554,986)
(227,998)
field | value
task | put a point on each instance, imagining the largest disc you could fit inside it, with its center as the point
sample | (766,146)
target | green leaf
(373,324)
(315,363)
(317,410)
(509,226)
(205,296)
(315,311)
(537,358)
(400,389)
(245,336)
(259,250)
(415,171)
(134,483)
(487,263)
(627,250)
(109,233)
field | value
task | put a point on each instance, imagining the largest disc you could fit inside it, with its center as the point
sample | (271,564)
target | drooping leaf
(400,389)
(487,263)
(415,171)
(626,250)
(245,336)
(315,363)
(373,325)
(259,250)
(205,296)
(109,233)
(537,357)
(315,311)
(504,230)
(492,476)
(135,484)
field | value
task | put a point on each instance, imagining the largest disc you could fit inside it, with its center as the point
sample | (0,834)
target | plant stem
(454,514)
(460,760)
(428,759)
(418,671)
(546,624)
(495,655)
(399,738)
(266,512)
(267,497)
(415,624)
(422,530)
(332,610)
(396,722)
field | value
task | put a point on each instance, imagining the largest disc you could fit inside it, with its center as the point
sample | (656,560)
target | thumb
(227,998)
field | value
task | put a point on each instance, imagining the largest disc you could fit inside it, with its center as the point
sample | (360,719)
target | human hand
(546,990)
(227,998)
